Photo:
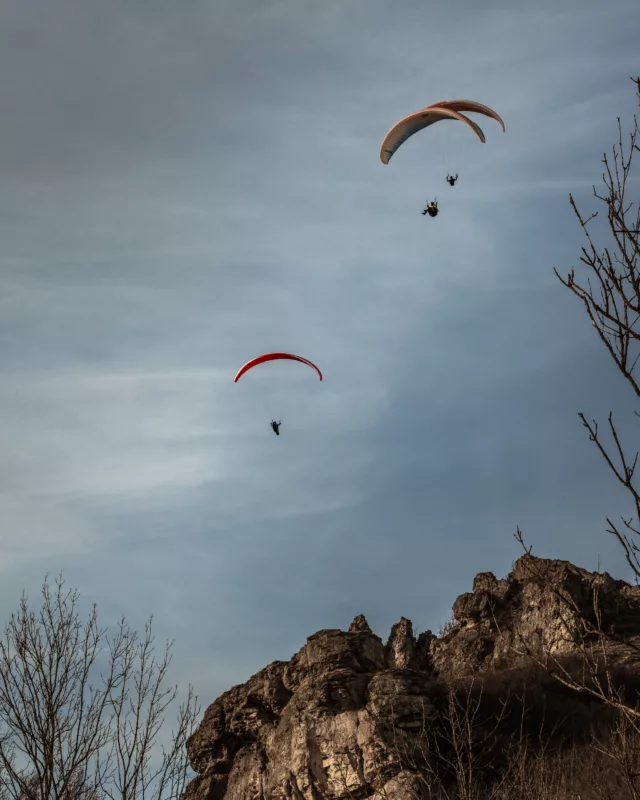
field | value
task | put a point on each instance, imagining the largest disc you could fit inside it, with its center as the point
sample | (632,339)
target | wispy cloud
(184,188)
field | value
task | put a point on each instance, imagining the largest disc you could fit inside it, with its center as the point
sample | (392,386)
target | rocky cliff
(313,727)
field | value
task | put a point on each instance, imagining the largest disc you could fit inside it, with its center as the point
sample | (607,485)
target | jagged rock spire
(360,625)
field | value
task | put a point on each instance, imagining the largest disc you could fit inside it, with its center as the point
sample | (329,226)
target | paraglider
(431,209)
(446,109)
(275,426)
(451,180)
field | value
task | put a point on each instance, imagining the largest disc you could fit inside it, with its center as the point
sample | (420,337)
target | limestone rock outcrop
(309,728)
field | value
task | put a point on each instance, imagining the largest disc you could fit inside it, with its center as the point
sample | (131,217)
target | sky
(188,185)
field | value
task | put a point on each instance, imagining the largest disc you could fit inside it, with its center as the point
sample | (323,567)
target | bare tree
(471,738)
(76,790)
(611,298)
(612,303)
(64,738)
(622,747)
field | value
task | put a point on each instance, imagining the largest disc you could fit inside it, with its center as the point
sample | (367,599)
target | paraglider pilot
(276,426)
(431,209)
(451,180)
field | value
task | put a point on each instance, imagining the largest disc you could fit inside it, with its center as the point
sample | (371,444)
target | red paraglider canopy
(272,357)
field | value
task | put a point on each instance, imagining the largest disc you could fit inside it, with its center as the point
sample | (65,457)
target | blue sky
(188,185)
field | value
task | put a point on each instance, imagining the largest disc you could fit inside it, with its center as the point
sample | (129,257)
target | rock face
(309,728)
(540,602)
